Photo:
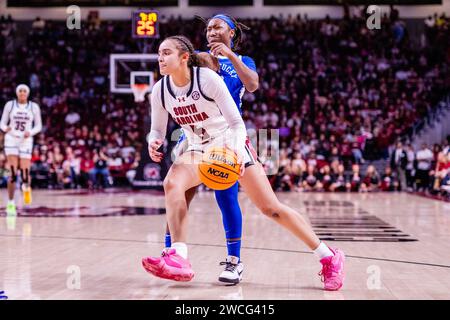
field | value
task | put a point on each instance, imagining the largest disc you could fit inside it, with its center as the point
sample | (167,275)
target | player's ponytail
(239,33)
(194,60)
(185,45)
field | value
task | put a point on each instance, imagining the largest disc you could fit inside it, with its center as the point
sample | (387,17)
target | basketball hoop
(139,91)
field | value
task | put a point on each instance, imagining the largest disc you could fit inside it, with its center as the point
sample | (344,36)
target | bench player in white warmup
(198,100)
(21,120)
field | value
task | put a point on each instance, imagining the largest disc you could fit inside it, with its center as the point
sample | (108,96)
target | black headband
(185,43)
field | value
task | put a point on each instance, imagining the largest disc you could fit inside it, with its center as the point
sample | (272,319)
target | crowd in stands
(340,95)
(90,137)
(423,170)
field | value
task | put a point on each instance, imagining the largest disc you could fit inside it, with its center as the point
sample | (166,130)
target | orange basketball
(218,169)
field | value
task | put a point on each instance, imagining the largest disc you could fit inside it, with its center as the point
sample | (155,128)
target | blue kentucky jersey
(231,79)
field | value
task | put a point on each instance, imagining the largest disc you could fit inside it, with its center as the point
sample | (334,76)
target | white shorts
(20,147)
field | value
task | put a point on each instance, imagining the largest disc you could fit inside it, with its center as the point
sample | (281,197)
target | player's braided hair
(238,37)
(185,45)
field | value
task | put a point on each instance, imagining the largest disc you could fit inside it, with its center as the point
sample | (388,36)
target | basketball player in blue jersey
(224,34)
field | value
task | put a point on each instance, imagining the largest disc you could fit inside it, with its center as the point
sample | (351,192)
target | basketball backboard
(128,69)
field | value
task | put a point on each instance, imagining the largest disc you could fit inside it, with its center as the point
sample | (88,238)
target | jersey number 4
(20,126)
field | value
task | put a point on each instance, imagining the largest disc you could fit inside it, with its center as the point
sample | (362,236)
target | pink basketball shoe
(332,272)
(169,266)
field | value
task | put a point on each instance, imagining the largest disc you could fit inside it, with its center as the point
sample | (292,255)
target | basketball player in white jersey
(21,120)
(198,100)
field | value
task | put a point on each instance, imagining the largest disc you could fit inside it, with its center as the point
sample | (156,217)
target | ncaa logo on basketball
(218,173)
(152,172)
(195,95)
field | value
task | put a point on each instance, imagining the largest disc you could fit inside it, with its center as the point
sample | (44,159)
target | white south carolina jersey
(204,109)
(20,118)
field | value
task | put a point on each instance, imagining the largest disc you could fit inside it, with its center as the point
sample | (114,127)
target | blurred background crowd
(346,100)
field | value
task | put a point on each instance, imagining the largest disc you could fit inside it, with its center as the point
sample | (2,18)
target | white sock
(11,202)
(181,249)
(322,251)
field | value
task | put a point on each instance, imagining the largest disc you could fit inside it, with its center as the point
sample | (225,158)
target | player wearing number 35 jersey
(21,120)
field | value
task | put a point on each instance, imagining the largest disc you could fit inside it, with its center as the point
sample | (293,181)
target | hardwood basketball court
(89,245)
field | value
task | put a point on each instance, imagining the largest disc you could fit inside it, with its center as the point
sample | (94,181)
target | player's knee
(13,178)
(169,184)
(13,175)
(166,183)
(271,209)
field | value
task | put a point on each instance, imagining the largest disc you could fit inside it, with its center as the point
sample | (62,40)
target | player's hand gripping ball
(219,168)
